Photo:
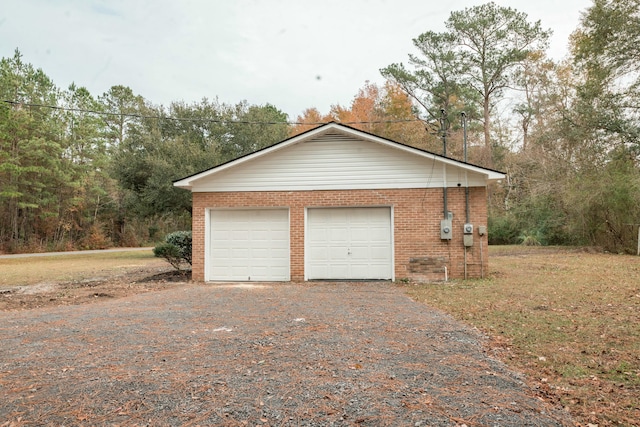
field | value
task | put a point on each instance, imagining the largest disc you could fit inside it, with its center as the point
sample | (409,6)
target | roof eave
(186,186)
(495,176)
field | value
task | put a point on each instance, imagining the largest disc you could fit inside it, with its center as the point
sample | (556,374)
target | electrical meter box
(446,232)
(482,230)
(467,229)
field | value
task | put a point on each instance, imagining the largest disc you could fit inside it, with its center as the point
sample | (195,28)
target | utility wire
(186,119)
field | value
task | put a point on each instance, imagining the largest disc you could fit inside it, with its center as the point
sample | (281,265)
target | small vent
(333,136)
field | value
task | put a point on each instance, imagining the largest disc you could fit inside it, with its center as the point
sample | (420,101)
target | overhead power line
(189,119)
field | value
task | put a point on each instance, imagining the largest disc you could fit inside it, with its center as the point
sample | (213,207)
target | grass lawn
(567,318)
(65,268)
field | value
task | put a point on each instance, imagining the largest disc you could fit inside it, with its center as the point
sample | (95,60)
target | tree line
(97,170)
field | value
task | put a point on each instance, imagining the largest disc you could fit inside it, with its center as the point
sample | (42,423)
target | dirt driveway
(316,354)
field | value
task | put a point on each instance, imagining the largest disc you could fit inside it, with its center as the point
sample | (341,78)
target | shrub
(170,253)
(95,238)
(503,230)
(530,239)
(176,249)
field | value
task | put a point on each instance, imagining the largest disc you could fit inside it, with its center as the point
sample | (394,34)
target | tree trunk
(487,134)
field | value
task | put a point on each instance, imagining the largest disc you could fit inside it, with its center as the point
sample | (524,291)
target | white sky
(294,54)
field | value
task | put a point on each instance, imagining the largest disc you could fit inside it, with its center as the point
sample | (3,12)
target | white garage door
(248,245)
(349,243)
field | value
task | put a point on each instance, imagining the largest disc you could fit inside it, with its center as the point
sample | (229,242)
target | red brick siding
(419,252)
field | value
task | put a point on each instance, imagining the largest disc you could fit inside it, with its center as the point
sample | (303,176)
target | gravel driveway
(317,354)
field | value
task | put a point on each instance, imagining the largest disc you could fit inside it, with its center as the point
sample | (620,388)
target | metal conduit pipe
(443,129)
(466,189)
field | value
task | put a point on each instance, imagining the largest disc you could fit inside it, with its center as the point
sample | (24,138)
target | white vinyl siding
(349,244)
(338,162)
(248,245)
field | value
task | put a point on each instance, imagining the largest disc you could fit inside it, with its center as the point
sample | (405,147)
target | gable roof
(336,128)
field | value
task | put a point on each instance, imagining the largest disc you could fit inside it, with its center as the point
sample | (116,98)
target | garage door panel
(280,252)
(359,234)
(337,256)
(317,252)
(260,254)
(281,239)
(349,243)
(222,234)
(337,270)
(360,269)
(238,253)
(315,272)
(236,271)
(380,252)
(338,234)
(280,272)
(378,232)
(357,255)
(249,244)
(262,244)
(260,235)
(317,235)
(221,253)
(261,271)
(239,235)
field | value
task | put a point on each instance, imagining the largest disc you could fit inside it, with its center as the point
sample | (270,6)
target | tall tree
(535,80)
(435,85)
(121,107)
(494,40)
(202,123)
(78,172)
(309,119)
(386,111)
(32,171)
(162,148)
(123,115)
(254,127)
(607,54)
(604,123)
(84,155)
(364,111)
(400,119)
(474,60)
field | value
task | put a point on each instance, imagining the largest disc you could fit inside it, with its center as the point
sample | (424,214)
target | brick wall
(419,253)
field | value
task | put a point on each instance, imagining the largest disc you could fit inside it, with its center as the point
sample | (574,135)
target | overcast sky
(294,54)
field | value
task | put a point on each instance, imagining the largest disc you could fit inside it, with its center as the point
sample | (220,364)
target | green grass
(64,268)
(569,319)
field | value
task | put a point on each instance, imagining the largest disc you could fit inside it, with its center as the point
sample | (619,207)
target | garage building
(336,203)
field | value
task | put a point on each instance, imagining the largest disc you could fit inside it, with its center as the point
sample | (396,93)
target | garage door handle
(348,251)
